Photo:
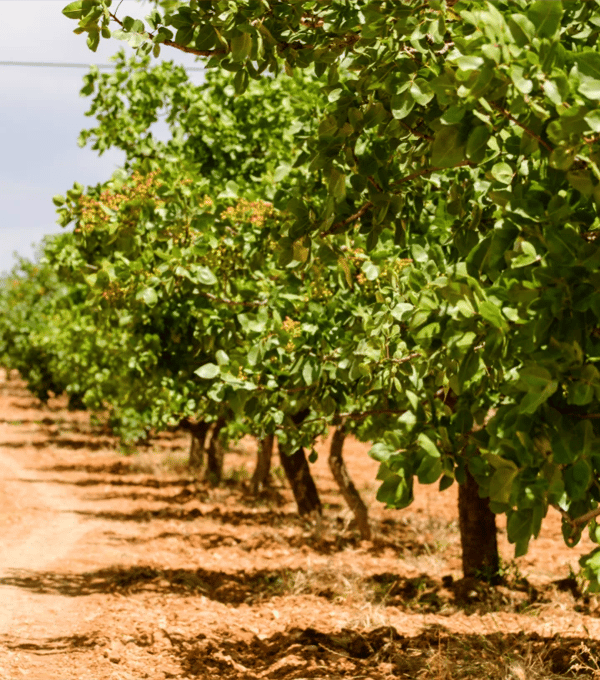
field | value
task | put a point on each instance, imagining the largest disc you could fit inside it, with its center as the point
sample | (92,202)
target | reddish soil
(125,567)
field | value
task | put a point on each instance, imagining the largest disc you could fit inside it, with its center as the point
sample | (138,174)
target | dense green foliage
(462,136)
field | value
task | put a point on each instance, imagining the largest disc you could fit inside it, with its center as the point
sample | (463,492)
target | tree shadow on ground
(149,482)
(120,467)
(235,517)
(383,653)
(233,589)
(56,645)
(420,594)
(62,443)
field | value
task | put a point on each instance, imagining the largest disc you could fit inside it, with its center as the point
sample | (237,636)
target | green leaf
(501,483)
(520,525)
(589,88)
(562,157)
(208,371)
(534,377)
(502,172)
(447,150)
(370,270)
(468,368)
(521,28)
(240,82)
(533,400)
(93,40)
(149,296)
(490,312)
(241,46)
(523,84)
(552,92)
(546,16)
(477,143)
(428,445)
(469,63)
(581,393)
(421,91)
(221,357)
(593,120)
(337,184)
(402,104)
(308,373)
(429,470)
(578,477)
(588,63)
(205,276)
(253,355)
(74,10)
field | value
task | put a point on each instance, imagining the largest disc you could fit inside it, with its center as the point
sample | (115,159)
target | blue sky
(41,114)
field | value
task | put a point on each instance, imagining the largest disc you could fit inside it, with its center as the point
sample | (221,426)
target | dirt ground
(125,567)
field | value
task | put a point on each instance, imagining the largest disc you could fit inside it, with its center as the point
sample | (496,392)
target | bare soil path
(116,567)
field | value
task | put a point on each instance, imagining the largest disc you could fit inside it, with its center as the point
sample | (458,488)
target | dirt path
(46,531)
(115,568)
(39,531)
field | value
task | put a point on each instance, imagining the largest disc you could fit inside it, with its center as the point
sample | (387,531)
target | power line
(57,64)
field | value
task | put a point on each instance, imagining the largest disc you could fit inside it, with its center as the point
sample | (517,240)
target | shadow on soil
(383,653)
(233,517)
(63,443)
(420,594)
(233,589)
(58,645)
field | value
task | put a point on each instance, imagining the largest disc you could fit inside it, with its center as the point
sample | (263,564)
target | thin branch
(578,521)
(416,133)
(531,133)
(297,45)
(177,46)
(405,359)
(226,301)
(374,183)
(357,215)
(348,220)
(428,171)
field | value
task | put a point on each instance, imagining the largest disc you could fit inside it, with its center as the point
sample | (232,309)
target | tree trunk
(214,454)
(198,433)
(303,486)
(346,485)
(477,523)
(260,478)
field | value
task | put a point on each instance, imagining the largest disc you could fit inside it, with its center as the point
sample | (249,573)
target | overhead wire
(57,64)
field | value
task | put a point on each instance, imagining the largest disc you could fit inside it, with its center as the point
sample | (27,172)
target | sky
(41,115)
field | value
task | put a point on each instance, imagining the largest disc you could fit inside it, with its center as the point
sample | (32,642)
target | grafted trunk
(478,535)
(260,478)
(214,454)
(346,485)
(303,486)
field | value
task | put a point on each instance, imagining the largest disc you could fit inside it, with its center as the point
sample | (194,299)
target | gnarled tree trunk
(260,478)
(346,485)
(303,486)
(198,433)
(214,454)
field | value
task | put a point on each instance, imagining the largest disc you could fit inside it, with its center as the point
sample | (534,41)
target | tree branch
(177,46)
(532,134)
(578,521)
(357,215)
(428,171)
(226,301)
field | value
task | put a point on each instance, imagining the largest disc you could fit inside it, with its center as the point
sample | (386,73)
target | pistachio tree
(468,131)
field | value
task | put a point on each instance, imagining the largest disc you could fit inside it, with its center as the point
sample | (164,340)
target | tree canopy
(462,136)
